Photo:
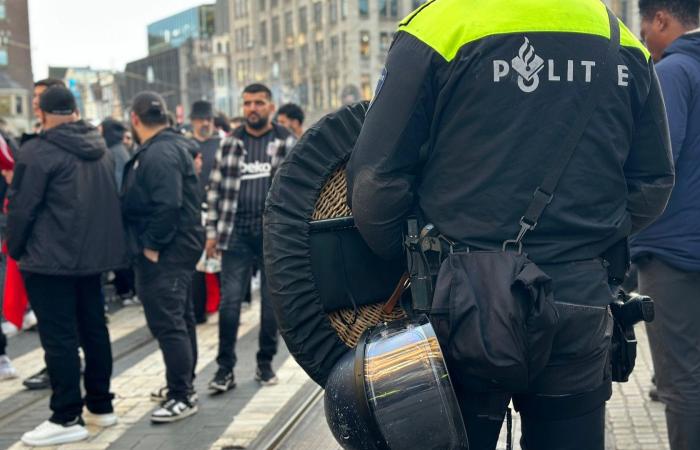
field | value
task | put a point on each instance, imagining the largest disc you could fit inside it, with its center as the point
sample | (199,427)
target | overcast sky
(103,34)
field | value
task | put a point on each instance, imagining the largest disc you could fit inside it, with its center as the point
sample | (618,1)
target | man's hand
(151,255)
(210,248)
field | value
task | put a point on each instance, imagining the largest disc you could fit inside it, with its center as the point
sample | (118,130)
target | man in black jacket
(476,101)
(161,203)
(64,227)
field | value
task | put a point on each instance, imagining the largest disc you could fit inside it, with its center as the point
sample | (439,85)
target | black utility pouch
(494,316)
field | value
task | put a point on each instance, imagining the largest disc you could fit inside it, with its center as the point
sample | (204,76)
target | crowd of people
(170,215)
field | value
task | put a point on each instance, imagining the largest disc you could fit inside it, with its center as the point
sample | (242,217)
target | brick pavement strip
(133,387)
(251,420)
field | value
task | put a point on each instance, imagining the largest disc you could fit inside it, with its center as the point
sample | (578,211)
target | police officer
(474,102)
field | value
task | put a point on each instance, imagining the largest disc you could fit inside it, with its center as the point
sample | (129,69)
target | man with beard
(161,203)
(207,142)
(63,243)
(245,164)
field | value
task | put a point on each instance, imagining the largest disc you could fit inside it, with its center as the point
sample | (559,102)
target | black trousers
(236,270)
(164,291)
(70,314)
(199,296)
(124,282)
(674,338)
(3,343)
(565,407)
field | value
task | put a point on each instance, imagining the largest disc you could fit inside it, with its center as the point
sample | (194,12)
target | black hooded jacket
(64,216)
(113,132)
(161,200)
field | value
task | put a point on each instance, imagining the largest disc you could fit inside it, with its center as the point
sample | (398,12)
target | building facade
(16,80)
(317,53)
(98,93)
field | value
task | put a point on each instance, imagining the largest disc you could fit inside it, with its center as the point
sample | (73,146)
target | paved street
(251,416)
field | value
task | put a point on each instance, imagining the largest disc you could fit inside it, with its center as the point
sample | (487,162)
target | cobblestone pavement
(238,419)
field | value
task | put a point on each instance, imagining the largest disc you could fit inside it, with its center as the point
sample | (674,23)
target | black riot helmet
(393,392)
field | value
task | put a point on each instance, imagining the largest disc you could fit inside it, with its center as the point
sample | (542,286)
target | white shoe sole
(73,436)
(101,421)
(8,376)
(172,419)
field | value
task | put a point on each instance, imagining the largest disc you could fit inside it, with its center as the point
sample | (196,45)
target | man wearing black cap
(207,141)
(161,203)
(64,227)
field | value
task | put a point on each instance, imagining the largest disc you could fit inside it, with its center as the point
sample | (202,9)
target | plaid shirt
(225,181)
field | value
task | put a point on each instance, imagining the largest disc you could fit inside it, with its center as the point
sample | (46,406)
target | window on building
(304,56)
(364,44)
(303,22)
(318,15)
(220,77)
(344,45)
(3,57)
(319,51)
(343,9)
(317,93)
(335,47)
(263,33)
(289,25)
(19,105)
(365,87)
(333,11)
(364,8)
(384,41)
(275,30)
(274,4)
(290,58)
(417,3)
(389,8)
(262,4)
(333,94)
(6,105)
(218,48)
(2,10)
(303,90)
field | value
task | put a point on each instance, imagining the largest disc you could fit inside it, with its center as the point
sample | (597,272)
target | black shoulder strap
(544,194)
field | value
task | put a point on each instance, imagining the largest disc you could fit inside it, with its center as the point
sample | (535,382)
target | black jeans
(164,291)
(3,343)
(124,282)
(70,313)
(673,337)
(199,296)
(236,270)
(565,407)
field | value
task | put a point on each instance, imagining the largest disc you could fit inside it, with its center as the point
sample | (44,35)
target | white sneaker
(6,369)
(29,320)
(9,329)
(49,433)
(100,420)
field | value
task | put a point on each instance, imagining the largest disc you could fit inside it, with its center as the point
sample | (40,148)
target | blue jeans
(236,270)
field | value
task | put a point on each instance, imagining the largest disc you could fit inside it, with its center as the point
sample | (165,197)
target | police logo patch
(380,85)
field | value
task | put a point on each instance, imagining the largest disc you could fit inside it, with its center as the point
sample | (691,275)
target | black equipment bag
(347,272)
(493,311)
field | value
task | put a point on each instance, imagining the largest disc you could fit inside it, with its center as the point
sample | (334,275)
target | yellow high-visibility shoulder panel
(448,25)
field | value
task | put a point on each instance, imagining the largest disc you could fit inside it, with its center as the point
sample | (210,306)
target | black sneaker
(173,410)
(39,380)
(223,381)
(266,376)
(654,395)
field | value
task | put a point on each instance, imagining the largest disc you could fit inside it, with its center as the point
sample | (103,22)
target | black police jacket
(63,213)
(476,97)
(161,200)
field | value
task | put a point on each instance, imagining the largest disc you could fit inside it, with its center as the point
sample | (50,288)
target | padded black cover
(287,248)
